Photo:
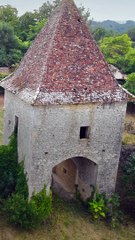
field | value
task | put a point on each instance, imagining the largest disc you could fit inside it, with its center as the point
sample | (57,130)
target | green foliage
(28,213)
(114,214)
(25,21)
(119,28)
(85,14)
(3,75)
(130,83)
(14,189)
(21,187)
(128,180)
(8,14)
(34,30)
(115,47)
(100,33)
(119,52)
(97,207)
(129,176)
(9,47)
(131,33)
(105,208)
(8,168)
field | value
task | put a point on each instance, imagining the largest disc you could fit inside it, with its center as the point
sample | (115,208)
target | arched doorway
(74,175)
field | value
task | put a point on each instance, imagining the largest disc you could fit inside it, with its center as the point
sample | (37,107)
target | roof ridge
(49,48)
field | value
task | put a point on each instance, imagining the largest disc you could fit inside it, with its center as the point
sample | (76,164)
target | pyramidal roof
(64,65)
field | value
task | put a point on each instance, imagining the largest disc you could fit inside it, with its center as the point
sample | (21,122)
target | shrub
(114,214)
(129,185)
(102,207)
(21,181)
(14,190)
(8,167)
(97,207)
(130,83)
(28,214)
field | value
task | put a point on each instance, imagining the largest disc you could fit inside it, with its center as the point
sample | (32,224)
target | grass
(68,222)
(128,136)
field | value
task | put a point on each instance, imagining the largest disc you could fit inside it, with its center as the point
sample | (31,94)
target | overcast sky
(118,10)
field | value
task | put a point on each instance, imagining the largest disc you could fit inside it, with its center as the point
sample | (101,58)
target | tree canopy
(118,51)
(130,83)
(10,52)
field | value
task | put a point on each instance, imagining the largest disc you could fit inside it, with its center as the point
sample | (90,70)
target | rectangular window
(84,132)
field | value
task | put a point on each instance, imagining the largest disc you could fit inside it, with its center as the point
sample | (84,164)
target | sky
(118,10)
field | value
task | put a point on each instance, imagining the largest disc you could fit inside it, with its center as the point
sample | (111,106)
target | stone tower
(67,108)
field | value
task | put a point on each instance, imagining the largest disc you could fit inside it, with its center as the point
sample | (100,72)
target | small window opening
(64,170)
(16,125)
(84,132)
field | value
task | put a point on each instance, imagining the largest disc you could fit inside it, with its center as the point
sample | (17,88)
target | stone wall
(49,135)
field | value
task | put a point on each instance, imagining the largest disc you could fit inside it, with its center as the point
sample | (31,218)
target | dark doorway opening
(16,125)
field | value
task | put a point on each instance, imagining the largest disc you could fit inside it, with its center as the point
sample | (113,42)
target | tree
(8,14)
(100,33)
(119,52)
(47,8)
(9,47)
(131,33)
(85,14)
(130,83)
(34,30)
(25,21)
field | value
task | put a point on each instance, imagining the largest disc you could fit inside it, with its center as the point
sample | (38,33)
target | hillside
(114,26)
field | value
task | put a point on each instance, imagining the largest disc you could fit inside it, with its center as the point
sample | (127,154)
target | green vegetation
(97,207)
(108,209)
(26,213)
(10,46)
(119,52)
(130,83)
(8,168)
(17,33)
(19,210)
(129,185)
(113,26)
(69,221)
(3,75)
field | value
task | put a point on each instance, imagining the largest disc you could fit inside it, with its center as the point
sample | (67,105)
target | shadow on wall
(74,175)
